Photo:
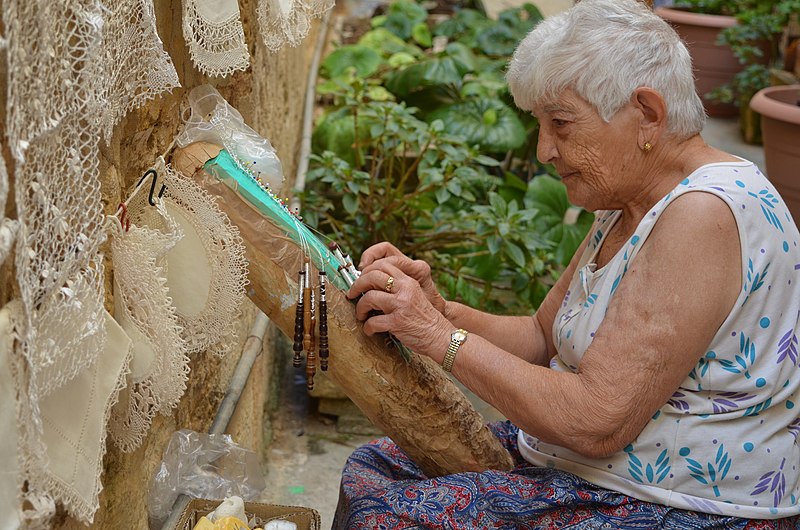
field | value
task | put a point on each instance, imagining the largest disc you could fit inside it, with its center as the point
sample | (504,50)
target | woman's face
(594,158)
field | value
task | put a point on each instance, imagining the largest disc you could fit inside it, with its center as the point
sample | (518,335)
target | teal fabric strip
(224,168)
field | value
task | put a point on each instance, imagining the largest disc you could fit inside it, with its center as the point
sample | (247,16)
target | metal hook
(150,198)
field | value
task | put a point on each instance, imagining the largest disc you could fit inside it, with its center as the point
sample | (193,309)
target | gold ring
(389,285)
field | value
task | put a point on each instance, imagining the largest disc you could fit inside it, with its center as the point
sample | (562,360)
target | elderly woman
(656,385)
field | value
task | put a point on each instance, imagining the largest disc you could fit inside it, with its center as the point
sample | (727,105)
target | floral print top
(726,442)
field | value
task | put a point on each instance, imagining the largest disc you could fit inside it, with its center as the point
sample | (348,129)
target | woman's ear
(653,109)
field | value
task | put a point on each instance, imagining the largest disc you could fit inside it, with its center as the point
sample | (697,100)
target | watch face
(458,335)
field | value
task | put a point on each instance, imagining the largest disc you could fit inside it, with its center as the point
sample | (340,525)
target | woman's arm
(664,314)
(527,337)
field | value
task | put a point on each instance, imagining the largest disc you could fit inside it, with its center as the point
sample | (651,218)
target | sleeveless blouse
(726,441)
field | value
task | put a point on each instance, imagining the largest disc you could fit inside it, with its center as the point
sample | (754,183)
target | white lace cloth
(160,367)
(8,227)
(9,467)
(75,418)
(288,21)
(137,68)
(206,269)
(215,36)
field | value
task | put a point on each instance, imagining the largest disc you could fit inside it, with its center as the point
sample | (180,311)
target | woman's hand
(392,301)
(379,255)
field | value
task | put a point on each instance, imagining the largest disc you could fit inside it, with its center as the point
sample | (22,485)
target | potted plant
(732,68)
(779,107)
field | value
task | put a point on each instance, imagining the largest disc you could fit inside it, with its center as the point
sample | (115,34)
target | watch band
(457,338)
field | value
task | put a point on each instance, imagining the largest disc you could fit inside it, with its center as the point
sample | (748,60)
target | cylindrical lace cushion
(159,368)
(213,31)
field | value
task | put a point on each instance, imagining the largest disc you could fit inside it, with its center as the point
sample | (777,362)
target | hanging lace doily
(213,31)
(74,419)
(207,268)
(288,21)
(318,8)
(282,22)
(159,367)
(136,66)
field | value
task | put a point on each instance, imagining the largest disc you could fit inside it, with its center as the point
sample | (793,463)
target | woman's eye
(559,123)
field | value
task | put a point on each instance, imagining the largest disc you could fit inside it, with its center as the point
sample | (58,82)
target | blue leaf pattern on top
(746,357)
(788,347)
(755,410)
(713,473)
(652,473)
(755,281)
(768,202)
(728,401)
(775,481)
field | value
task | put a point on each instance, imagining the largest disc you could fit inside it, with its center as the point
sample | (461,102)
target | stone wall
(270,97)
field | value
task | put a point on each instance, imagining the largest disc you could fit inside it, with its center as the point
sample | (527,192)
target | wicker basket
(304,518)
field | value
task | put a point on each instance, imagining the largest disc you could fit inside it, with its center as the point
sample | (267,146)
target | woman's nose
(546,150)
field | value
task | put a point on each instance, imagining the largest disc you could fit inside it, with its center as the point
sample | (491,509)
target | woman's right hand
(419,270)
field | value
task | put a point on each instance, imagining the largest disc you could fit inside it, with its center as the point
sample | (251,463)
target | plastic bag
(215,121)
(203,466)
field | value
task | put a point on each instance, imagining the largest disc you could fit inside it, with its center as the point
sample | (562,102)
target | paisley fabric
(726,441)
(383,489)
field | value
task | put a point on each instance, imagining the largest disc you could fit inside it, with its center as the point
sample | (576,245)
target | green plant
(435,197)
(754,41)
(421,146)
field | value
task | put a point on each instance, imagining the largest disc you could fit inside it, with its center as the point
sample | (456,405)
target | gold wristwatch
(457,338)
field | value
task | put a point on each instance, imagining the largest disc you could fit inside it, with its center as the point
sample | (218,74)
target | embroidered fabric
(215,36)
(159,367)
(207,268)
(76,443)
(136,66)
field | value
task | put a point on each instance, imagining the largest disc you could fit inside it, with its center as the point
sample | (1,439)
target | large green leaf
(499,40)
(484,121)
(548,196)
(430,72)
(387,43)
(365,60)
(402,17)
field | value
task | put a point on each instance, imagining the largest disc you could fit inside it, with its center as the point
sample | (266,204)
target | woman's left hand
(393,302)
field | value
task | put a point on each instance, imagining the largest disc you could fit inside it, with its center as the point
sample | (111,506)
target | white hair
(604,50)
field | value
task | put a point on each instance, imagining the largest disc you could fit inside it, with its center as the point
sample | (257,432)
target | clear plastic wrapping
(203,466)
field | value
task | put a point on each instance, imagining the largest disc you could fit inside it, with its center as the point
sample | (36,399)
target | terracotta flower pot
(779,107)
(713,65)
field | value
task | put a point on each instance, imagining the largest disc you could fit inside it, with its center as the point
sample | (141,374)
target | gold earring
(647,147)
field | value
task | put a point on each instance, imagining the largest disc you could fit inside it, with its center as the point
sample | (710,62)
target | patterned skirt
(383,489)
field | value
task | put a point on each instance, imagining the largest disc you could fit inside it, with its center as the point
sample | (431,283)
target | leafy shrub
(423,148)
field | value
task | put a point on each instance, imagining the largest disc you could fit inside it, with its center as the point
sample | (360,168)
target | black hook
(150,198)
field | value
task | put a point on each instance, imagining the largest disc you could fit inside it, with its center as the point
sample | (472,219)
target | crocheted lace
(208,304)
(288,21)
(160,367)
(213,31)
(137,68)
